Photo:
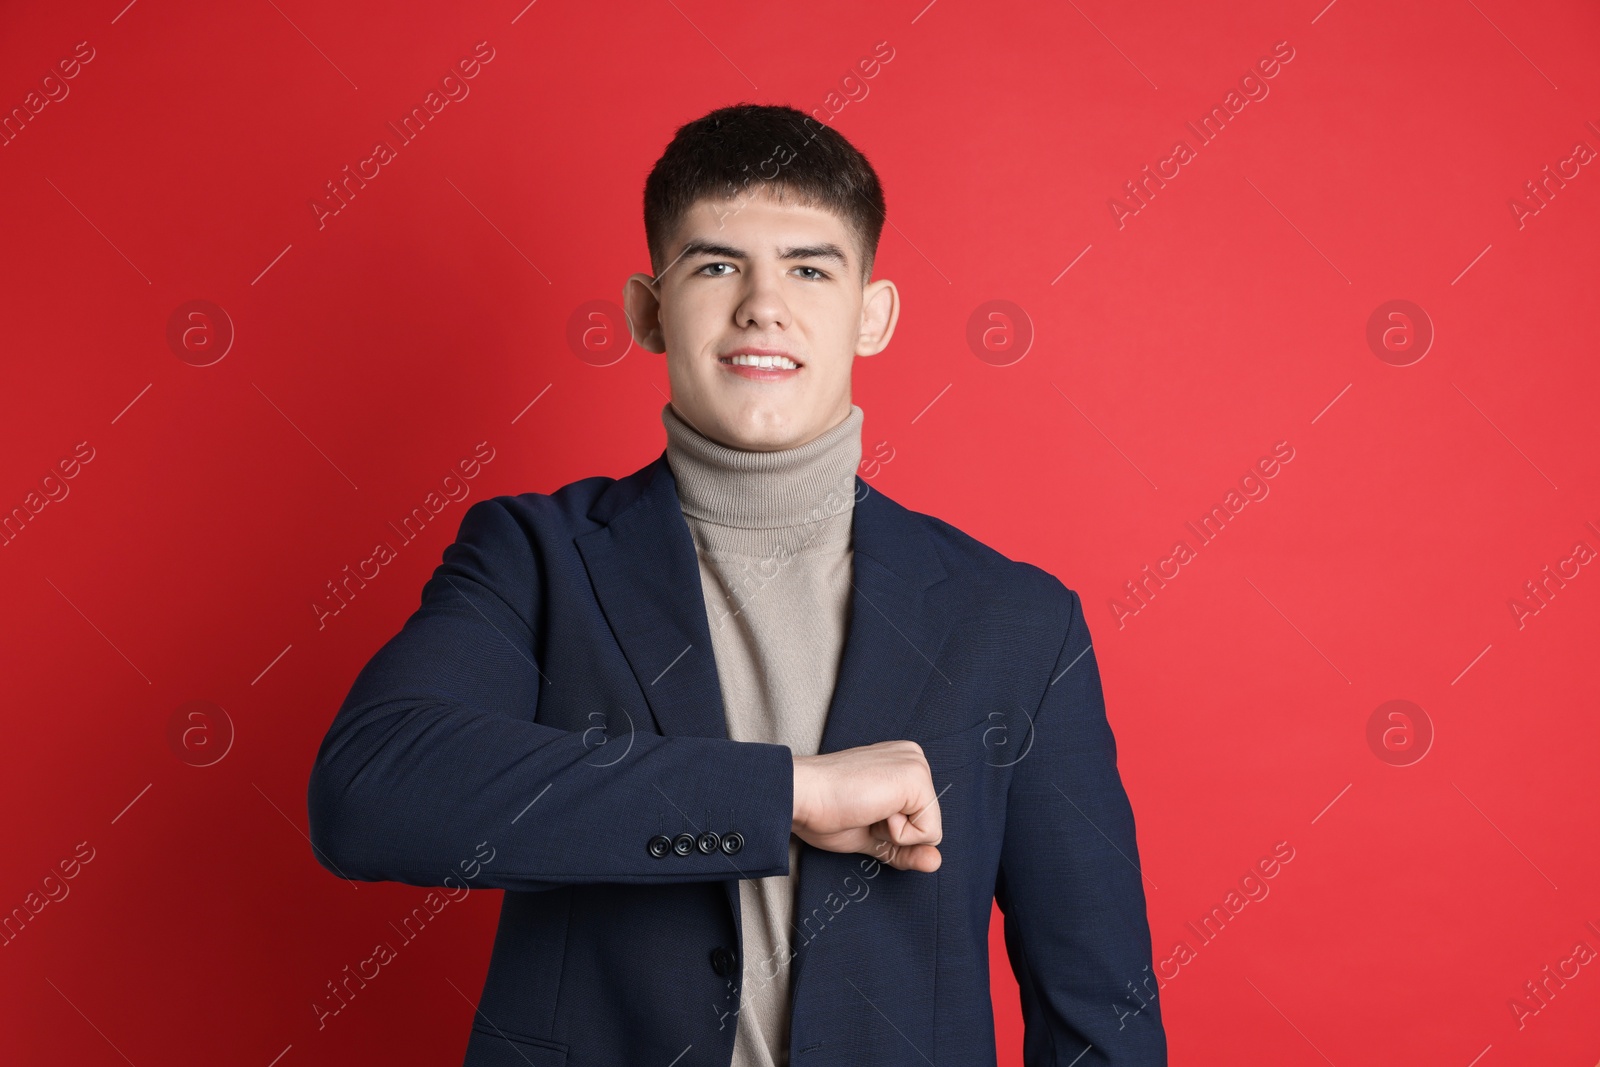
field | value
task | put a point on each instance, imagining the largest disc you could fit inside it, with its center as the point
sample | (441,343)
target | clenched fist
(877,799)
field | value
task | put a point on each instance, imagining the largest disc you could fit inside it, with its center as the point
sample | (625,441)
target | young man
(750,746)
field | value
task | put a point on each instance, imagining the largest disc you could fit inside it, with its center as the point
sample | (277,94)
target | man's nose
(763,303)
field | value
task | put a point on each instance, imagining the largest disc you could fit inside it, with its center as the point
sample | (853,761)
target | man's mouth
(763,362)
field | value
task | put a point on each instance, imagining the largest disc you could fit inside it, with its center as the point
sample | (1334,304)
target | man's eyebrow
(826,250)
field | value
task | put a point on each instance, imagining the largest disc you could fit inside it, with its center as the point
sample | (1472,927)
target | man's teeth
(765,362)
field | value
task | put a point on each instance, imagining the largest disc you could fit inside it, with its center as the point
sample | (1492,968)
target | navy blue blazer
(554,705)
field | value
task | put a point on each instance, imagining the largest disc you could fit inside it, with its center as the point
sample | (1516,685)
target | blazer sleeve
(1069,883)
(435,751)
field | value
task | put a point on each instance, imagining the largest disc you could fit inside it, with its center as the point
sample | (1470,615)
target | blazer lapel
(646,576)
(894,635)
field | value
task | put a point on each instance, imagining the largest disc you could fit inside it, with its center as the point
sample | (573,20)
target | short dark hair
(746,149)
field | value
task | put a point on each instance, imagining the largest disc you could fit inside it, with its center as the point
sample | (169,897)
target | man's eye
(708,266)
(814,271)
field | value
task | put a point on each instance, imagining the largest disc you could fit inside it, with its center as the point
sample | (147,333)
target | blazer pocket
(952,752)
(490,1046)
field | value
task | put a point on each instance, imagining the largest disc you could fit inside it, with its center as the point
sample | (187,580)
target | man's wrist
(800,780)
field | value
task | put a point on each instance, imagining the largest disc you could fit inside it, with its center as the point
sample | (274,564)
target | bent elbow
(328,825)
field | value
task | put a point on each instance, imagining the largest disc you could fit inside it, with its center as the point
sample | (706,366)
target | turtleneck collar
(791,487)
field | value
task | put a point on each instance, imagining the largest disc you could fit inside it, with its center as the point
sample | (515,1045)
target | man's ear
(642,306)
(880,310)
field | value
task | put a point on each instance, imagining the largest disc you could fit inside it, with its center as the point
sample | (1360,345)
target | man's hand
(877,799)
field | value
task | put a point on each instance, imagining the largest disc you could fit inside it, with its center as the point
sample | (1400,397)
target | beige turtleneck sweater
(772,531)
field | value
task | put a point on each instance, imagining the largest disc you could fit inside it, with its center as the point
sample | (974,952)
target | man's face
(760,279)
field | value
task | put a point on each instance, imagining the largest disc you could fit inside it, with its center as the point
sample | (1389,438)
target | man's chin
(763,428)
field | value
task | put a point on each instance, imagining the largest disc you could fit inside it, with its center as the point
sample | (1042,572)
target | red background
(1228,314)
